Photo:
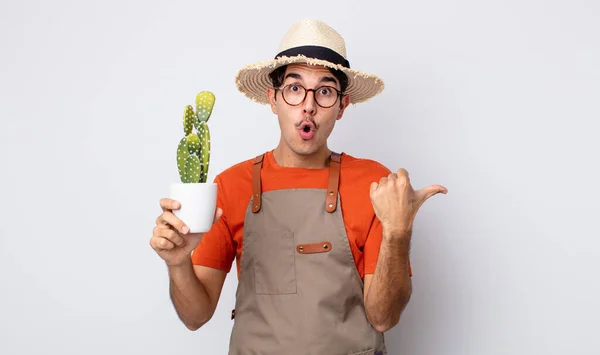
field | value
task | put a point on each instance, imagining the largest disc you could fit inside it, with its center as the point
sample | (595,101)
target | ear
(271,96)
(345,103)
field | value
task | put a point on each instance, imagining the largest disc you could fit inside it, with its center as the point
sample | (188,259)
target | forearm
(190,299)
(390,288)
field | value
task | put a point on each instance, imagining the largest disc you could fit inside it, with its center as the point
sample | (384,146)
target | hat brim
(253,80)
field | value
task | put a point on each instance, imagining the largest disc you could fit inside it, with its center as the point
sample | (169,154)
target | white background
(497,101)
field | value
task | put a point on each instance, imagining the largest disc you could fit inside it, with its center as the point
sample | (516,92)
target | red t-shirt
(223,243)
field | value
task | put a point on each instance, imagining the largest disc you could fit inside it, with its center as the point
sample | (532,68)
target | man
(321,240)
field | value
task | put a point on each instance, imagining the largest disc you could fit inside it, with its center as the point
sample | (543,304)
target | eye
(294,88)
(325,91)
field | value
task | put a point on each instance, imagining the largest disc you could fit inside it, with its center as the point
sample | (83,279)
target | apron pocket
(274,267)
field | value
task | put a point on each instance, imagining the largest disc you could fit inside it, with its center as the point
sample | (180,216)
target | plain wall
(497,101)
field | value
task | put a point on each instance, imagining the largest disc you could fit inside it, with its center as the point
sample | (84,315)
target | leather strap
(322,247)
(333,184)
(256,185)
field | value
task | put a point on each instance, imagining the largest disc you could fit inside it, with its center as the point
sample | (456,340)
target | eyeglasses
(295,94)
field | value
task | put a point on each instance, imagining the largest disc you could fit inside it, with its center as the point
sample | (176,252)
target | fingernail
(185,229)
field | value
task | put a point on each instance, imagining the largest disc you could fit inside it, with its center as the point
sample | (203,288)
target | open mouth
(307,130)
(307,127)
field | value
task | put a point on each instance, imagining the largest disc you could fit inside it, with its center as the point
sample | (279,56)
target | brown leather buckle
(322,247)
(333,183)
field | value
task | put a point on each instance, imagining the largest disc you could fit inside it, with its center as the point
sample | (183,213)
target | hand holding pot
(171,238)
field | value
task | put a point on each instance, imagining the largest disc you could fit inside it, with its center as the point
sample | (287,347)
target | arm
(388,290)
(195,292)
(395,204)
(194,289)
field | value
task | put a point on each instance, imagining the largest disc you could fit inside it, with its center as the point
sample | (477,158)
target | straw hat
(311,42)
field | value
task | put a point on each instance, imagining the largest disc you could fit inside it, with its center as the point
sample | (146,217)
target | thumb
(427,192)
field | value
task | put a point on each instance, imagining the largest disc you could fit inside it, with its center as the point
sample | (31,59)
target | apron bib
(299,291)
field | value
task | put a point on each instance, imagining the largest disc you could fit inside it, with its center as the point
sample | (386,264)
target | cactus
(193,151)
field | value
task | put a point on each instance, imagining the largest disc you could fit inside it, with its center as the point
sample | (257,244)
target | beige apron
(299,291)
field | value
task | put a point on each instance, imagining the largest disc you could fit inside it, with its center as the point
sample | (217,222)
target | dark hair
(277,77)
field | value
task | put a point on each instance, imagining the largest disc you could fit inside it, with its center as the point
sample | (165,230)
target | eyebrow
(325,79)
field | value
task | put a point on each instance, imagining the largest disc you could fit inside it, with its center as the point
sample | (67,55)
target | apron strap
(333,184)
(256,186)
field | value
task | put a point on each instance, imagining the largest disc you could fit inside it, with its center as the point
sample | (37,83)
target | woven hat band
(317,52)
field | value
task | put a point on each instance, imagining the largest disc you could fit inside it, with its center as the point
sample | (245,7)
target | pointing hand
(396,203)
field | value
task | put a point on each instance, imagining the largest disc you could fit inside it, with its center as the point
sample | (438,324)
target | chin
(302,147)
(306,148)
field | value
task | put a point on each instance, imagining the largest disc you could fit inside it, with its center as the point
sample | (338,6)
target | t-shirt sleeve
(216,249)
(372,247)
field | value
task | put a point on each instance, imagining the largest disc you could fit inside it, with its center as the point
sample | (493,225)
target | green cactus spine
(193,151)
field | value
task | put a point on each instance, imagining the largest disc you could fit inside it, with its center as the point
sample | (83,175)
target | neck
(286,157)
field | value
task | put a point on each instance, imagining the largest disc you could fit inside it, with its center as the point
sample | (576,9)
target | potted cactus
(197,197)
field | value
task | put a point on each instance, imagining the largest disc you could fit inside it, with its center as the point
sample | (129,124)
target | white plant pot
(198,204)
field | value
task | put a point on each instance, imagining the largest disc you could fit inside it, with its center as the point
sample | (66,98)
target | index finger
(168,204)
(169,219)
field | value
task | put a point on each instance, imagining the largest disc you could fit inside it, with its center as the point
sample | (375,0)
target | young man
(321,239)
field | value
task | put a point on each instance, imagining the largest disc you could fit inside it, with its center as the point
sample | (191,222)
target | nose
(310,105)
